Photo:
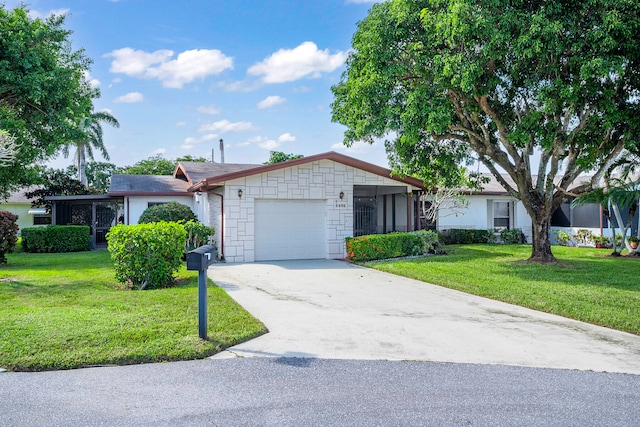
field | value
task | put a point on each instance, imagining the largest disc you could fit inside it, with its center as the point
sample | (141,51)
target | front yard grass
(62,311)
(585,284)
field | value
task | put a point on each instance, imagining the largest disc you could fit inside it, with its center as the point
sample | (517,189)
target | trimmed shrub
(515,236)
(392,245)
(198,234)
(8,234)
(463,236)
(146,255)
(56,239)
(169,212)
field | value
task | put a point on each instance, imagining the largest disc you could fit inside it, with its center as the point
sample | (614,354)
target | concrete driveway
(335,310)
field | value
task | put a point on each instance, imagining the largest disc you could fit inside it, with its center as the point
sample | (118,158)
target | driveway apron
(336,310)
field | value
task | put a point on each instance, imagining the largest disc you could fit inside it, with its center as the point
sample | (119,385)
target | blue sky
(179,76)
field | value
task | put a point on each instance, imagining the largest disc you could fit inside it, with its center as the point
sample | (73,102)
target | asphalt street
(299,391)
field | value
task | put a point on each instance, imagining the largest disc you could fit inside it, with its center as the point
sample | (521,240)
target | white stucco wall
(25,219)
(476,215)
(135,205)
(321,180)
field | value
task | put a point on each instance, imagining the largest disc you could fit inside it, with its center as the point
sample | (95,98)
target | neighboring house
(18,204)
(298,209)
(494,209)
(490,209)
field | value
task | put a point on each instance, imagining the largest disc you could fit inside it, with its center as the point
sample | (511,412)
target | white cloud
(180,124)
(288,65)
(94,83)
(270,101)
(173,73)
(159,151)
(242,86)
(226,126)
(357,147)
(208,137)
(42,15)
(209,109)
(129,98)
(269,144)
(286,137)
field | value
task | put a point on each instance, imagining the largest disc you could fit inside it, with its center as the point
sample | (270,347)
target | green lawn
(586,284)
(60,311)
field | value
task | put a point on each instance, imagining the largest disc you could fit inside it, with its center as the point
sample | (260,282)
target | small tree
(198,234)
(8,234)
(170,212)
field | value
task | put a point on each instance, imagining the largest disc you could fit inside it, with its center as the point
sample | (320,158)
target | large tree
(510,84)
(91,126)
(43,89)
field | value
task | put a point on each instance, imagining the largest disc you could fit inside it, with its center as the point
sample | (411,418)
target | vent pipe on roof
(221,151)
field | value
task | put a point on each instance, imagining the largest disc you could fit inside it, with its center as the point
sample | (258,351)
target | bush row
(392,245)
(463,236)
(56,238)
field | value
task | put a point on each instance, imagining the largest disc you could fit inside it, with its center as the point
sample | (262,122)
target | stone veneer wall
(321,180)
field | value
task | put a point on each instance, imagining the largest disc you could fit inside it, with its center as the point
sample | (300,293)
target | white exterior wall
(25,219)
(135,205)
(476,215)
(321,180)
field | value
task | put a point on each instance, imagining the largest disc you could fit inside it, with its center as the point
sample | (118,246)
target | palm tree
(92,129)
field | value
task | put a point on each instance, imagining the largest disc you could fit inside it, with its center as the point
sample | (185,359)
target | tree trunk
(82,165)
(541,240)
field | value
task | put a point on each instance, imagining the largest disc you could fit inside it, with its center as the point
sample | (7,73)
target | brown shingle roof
(223,176)
(147,184)
(194,172)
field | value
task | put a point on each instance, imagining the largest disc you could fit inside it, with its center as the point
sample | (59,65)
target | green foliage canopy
(43,89)
(281,156)
(170,212)
(505,83)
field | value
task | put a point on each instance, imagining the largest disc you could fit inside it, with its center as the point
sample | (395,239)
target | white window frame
(491,216)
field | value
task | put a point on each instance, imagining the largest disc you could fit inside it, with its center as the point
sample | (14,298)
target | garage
(290,229)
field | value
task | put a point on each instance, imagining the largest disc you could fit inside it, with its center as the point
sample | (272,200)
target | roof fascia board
(332,155)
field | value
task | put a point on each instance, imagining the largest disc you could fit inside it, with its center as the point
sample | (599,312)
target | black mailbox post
(200,259)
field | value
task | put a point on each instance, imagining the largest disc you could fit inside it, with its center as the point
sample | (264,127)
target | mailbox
(201,258)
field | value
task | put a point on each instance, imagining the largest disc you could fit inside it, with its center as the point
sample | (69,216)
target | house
(493,208)
(18,204)
(298,209)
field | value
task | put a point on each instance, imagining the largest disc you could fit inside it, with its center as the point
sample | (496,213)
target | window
(156,204)
(501,215)
(41,220)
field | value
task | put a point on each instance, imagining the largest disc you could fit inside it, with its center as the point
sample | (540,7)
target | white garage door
(289,229)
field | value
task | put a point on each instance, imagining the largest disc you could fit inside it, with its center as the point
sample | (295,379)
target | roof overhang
(86,197)
(149,193)
(210,183)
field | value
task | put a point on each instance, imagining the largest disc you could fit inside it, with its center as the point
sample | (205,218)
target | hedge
(56,239)
(392,245)
(147,255)
(463,236)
